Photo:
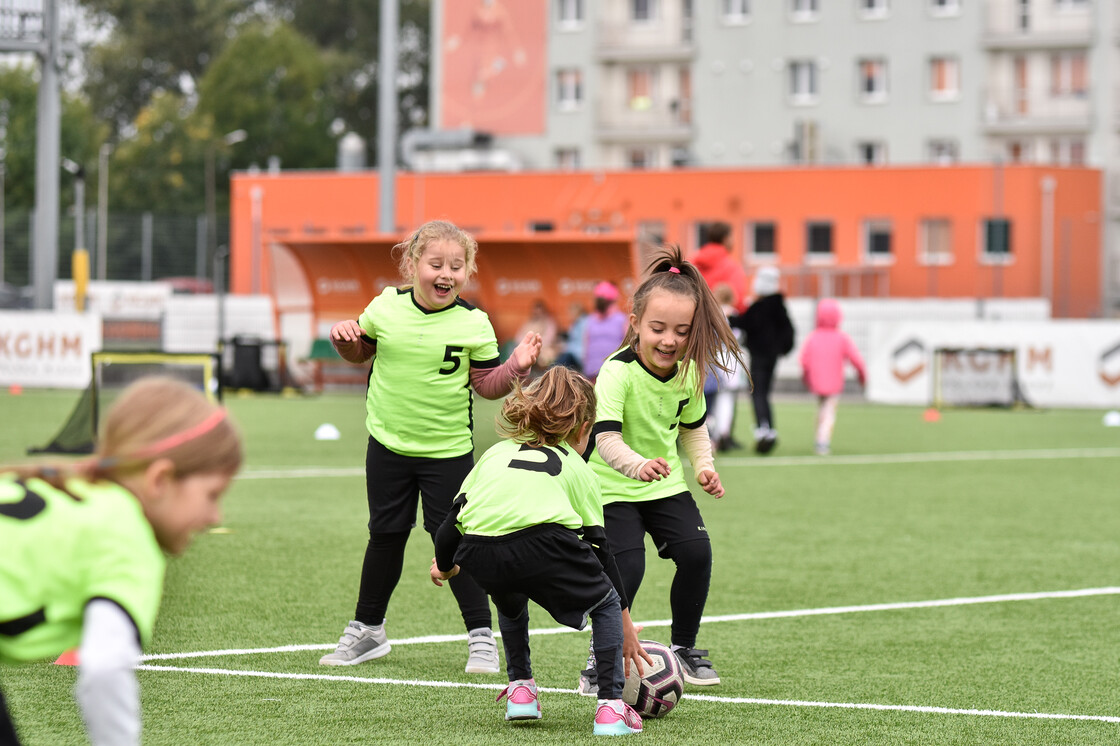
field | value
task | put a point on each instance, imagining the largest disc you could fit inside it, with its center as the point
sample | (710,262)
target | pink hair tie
(178,439)
(674,270)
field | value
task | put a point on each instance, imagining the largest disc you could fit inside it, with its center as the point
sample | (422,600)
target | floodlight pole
(47,139)
(387,117)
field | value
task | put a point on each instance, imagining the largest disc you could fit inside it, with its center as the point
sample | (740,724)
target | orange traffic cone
(69,658)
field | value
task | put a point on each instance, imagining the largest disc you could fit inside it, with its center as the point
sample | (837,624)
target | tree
(271,81)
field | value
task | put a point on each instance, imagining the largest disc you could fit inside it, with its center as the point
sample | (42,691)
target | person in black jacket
(769,335)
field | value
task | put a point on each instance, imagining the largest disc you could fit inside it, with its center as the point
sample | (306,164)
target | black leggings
(381,571)
(689,591)
(762,376)
(7,727)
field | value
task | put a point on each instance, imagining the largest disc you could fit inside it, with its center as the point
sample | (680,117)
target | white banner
(47,349)
(1060,363)
(117,299)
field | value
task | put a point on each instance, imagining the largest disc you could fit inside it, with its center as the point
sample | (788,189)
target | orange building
(311,238)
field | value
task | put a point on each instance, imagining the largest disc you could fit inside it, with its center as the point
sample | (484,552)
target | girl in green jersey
(81,546)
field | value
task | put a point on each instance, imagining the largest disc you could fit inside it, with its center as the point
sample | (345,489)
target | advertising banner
(47,349)
(1059,363)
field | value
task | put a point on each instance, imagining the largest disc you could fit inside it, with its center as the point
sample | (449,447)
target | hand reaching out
(438,576)
(525,354)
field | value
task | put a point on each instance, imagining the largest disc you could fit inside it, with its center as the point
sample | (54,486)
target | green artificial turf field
(929,583)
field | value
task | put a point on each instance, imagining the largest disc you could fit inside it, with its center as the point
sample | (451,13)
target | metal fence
(139,246)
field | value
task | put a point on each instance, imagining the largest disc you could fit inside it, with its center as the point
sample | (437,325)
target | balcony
(649,41)
(645,121)
(1037,110)
(1007,25)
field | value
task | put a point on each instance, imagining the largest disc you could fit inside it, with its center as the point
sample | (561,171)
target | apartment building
(659,84)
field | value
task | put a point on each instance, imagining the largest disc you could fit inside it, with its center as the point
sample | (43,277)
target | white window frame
(944,8)
(804,11)
(649,154)
(635,102)
(569,89)
(648,7)
(734,12)
(952,69)
(803,74)
(752,250)
(1061,84)
(926,258)
(828,257)
(878,80)
(988,257)
(569,15)
(874,10)
(873,225)
(943,151)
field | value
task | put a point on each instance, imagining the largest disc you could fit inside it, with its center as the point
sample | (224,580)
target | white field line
(871,459)
(752,616)
(699,697)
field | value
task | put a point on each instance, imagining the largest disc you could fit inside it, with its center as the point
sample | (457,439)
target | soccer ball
(659,691)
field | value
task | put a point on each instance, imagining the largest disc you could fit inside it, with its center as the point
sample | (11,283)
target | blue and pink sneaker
(616,718)
(521,700)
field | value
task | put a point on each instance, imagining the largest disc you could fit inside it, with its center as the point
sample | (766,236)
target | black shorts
(394,484)
(549,564)
(668,521)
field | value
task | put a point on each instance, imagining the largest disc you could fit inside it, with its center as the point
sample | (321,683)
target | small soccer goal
(976,377)
(112,371)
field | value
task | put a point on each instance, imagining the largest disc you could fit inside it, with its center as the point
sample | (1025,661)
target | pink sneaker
(521,700)
(616,718)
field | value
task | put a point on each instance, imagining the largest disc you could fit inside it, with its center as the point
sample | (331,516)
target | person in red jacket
(822,364)
(718,266)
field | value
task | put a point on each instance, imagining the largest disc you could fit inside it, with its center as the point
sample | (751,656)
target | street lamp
(103,209)
(230,138)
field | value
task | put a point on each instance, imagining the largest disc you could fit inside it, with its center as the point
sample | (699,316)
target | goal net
(111,373)
(976,377)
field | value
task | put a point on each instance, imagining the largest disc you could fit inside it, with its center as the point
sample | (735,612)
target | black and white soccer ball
(660,689)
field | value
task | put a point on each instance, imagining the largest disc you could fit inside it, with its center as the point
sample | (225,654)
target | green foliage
(270,81)
(80,137)
(794,532)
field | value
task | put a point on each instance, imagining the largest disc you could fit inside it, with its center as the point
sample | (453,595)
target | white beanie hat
(766,281)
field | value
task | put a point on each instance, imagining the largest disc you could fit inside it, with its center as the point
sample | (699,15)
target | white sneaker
(482,651)
(359,643)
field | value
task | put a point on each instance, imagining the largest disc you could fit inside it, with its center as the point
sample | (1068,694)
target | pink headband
(674,270)
(178,439)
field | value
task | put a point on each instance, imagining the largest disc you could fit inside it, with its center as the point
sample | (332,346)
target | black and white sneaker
(696,667)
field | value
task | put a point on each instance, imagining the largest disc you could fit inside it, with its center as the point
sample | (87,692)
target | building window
(935,241)
(945,7)
(639,88)
(943,152)
(1067,152)
(764,240)
(567,159)
(735,12)
(643,10)
(641,158)
(569,13)
(873,9)
(819,238)
(569,89)
(997,239)
(871,152)
(873,80)
(804,10)
(1068,75)
(803,81)
(944,78)
(877,240)
(1071,4)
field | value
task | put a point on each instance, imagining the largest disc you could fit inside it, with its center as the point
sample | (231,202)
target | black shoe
(766,443)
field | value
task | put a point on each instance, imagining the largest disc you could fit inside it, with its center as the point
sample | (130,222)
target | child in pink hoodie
(822,365)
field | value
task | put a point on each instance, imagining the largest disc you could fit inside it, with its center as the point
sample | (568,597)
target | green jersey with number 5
(419,400)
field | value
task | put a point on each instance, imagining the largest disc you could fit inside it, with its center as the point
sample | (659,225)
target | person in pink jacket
(822,367)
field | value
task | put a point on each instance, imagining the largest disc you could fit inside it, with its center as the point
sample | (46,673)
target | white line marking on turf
(751,616)
(869,459)
(923,457)
(699,697)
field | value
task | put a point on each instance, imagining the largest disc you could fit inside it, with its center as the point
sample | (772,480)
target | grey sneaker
(588,683)
(359,643)
(483,651)
(696,667)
